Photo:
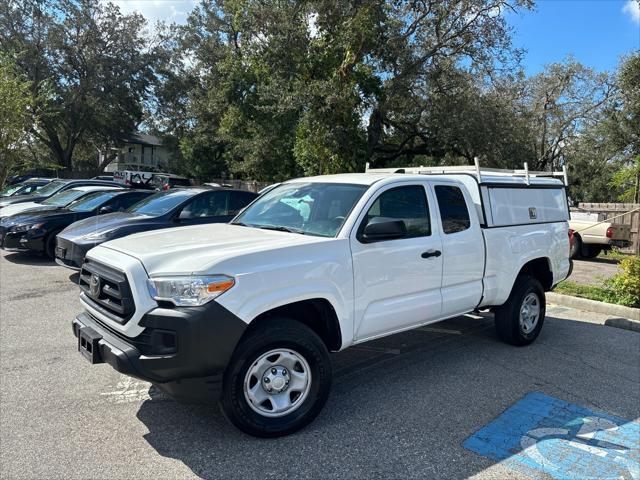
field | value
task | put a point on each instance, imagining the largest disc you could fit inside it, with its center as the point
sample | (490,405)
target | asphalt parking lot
(401,407)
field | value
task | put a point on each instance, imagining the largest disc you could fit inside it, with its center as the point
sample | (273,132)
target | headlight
(24,228)
(189,291)
(99,235)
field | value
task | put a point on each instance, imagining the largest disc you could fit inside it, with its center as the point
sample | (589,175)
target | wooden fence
(613,209)
(250,185)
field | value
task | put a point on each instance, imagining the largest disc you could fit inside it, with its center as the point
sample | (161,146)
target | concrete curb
(629,317)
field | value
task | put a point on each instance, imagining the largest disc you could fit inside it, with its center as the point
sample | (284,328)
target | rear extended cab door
(397,282)
(463,249)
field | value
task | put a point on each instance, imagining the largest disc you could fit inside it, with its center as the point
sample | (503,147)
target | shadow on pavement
(607,260)
(30,258)
(401,406)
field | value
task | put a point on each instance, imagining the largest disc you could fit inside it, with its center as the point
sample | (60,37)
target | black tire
(576,248)
(507,317)
(50,245)
(277,333)
(591,251)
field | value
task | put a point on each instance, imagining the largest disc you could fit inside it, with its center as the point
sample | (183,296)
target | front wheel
(519,320)
(278,380)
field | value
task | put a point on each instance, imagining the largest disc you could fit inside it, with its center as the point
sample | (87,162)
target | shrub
(626,284)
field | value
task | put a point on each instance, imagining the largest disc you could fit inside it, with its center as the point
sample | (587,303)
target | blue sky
(595,32)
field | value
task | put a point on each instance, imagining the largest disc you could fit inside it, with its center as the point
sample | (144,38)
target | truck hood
(201,249)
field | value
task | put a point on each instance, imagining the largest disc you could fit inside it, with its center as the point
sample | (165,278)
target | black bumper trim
(206,339)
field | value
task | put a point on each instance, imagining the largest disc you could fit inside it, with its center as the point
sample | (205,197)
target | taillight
(609,232)
(570,238)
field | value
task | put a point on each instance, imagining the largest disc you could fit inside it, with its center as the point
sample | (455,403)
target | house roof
(143,139)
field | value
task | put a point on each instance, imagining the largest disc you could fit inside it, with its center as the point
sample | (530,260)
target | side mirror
(104,210)
(383,228)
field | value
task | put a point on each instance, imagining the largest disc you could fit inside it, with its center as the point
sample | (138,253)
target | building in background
(140,152)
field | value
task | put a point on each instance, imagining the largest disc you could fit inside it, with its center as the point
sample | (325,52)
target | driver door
(397,282)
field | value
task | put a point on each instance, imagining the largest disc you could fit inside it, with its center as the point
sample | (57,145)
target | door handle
(431,253)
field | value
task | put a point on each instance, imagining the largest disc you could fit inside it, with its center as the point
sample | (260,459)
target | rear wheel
(519,320)
(576,247)
(591,251)
(278,380)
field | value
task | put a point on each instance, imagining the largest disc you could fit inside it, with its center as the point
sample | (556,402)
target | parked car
(250,310)
(25,188)
(176,207)
(59,200)
(36,230)
(105,176)
(165,181)
(53,187)
(592,237)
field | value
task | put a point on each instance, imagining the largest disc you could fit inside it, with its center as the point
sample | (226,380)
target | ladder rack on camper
(474,169)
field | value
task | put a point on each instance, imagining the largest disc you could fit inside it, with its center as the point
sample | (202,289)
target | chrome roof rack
(476,170)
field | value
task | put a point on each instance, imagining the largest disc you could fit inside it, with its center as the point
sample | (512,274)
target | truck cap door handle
(431,253)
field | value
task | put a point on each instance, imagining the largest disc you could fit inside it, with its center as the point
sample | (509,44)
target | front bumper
(71,254)
(12,241)
(184,351)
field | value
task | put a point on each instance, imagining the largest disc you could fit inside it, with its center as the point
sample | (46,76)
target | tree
(283,88)
(15,119)
(90,69)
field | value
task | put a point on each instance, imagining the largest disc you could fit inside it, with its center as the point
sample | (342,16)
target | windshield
(160,203)
(63,198)
(49,188)
(311,208)
(91,201)
(11,190)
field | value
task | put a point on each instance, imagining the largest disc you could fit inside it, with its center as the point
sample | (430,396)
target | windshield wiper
(280,228)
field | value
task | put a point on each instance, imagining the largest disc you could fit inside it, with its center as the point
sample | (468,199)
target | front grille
(107,290)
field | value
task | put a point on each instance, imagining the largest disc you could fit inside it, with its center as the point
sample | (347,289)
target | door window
(208,205)
(239,200)
(408,204)
(453,209)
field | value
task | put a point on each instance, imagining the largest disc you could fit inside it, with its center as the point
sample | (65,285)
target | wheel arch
(316,313)
(540,269)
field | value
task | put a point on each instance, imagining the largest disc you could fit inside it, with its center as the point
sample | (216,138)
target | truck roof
(371,178)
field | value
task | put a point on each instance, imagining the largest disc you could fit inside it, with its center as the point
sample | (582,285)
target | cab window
(408,204)
(453,209)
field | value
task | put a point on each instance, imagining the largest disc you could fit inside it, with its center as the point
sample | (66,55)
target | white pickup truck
(593,235)
(249,311)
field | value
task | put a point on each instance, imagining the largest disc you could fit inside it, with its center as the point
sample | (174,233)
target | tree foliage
(16,103)
(271,89)
(90,69)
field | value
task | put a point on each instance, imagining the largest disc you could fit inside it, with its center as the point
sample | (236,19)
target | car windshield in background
(11,190)
(310,208)
(49,188)
(63,198)
(162,202)
(91,201)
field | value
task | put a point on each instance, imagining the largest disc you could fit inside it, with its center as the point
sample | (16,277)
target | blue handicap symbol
(565,441)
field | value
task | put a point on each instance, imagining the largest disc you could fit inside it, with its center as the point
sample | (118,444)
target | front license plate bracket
(88,344)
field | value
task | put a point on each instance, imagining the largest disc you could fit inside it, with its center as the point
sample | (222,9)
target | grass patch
(592,292)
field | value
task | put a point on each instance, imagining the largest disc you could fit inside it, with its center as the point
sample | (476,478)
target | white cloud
(154,10)
(632,8)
